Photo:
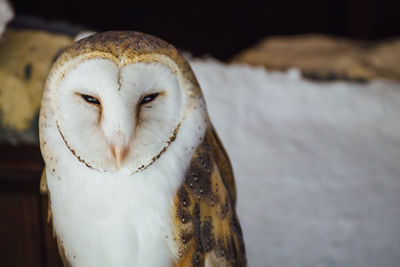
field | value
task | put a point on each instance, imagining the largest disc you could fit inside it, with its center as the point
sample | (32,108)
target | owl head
(118,99)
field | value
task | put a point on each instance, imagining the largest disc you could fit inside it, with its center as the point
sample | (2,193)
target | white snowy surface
(317,165)
(6,14)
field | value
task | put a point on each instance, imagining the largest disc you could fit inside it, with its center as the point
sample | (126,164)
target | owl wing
(223,163)
(207,230)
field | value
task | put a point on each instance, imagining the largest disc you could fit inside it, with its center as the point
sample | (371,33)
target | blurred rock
(26,57)
(385,59)
(327,58)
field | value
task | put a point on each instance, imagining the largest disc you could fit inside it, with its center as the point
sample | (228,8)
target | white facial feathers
(138,110)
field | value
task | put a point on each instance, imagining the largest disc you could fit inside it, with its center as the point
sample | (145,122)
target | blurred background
(305,96)
(223,28)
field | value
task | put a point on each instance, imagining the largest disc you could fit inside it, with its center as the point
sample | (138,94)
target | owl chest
(112,222)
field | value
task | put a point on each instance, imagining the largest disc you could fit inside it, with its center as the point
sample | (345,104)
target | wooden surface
(25,235)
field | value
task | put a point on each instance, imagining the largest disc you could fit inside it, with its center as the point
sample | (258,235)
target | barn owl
(135,172)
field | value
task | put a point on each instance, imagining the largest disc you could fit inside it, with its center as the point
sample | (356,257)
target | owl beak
(119,153)
(119,148)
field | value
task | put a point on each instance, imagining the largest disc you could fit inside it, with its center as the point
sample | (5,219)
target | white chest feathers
(114,220)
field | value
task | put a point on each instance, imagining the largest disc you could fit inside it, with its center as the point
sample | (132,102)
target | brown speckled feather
(207,229)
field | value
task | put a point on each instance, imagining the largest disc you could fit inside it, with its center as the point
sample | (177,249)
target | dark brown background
(224,27)
(25,237)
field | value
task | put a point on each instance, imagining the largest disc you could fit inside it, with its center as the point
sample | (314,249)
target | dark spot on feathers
(196,225)
(28,71)
(224,209)
(230,251)
(206,235)
(198,260)
(220,251)
(183,197)
(186,236)
(198,176)
(182,214)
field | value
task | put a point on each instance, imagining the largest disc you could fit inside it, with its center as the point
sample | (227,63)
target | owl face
(117,116)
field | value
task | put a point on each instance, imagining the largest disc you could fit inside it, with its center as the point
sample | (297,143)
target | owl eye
(90,99)
(148,98)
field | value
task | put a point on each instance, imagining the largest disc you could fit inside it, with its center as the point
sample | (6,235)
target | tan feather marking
(206,226)
(43,183)
(45,191)
(50,214)
(63,254)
